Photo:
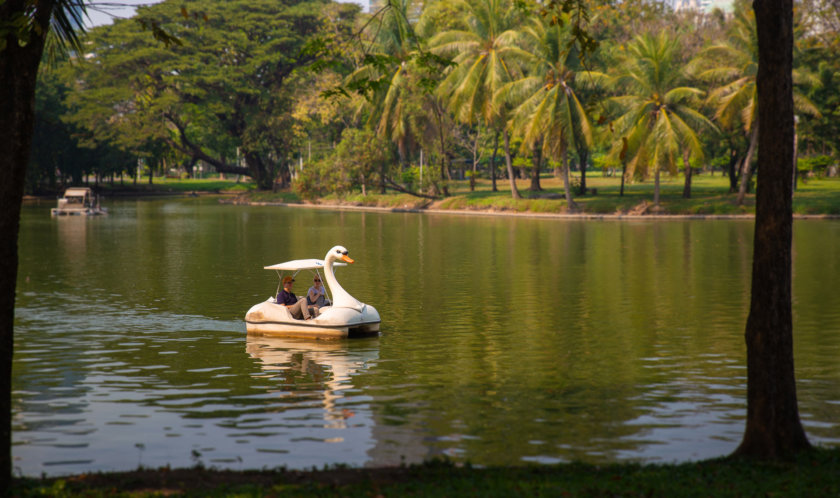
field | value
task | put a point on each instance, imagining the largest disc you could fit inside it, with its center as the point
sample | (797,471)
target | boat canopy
(77,192)
(301,264)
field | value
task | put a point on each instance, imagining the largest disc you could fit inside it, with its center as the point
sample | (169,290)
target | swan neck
(340,297)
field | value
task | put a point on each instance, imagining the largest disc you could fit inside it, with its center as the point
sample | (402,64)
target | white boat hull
(78,212)
(271,319)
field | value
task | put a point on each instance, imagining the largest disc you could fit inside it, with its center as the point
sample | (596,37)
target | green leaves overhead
(223,77)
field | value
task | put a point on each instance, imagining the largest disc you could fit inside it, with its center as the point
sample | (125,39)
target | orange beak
(346,259)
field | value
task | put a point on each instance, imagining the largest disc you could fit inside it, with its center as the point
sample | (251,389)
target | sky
(103,12)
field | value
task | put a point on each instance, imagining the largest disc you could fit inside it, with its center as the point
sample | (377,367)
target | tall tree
(734,63)
(230,83)
(658,115)
(403,106)
(549,113)
(773,427)
(23,36)
(485,54)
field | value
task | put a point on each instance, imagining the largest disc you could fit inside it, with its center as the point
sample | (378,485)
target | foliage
(245,94)
(360,160)
(225,90)
(815,163)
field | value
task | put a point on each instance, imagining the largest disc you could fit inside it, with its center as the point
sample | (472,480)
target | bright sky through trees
(104,12)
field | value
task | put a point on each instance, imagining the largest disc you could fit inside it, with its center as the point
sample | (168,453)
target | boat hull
(271,319)
(78,212)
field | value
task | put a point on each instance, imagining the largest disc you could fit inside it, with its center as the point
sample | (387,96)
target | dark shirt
(287,298)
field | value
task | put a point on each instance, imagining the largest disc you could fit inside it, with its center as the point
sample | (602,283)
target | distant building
(702,5)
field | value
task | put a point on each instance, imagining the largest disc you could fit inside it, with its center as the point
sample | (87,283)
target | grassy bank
(812,474)
(710,196)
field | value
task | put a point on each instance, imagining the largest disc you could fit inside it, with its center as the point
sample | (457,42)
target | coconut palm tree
(549,113)
(486,57)
(386,67)
(658,118)
(400,106)
(733,62)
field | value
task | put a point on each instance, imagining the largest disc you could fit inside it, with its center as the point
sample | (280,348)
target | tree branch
(196,152)
(399,188)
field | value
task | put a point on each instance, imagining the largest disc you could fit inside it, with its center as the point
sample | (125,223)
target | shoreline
(236,199)
(526,214)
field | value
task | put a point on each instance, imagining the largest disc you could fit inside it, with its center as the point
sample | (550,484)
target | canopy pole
(279,283)
(326,290)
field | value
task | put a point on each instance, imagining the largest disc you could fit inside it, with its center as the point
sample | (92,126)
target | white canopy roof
(301,264)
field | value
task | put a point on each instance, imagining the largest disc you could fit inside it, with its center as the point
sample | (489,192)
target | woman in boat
(317,295)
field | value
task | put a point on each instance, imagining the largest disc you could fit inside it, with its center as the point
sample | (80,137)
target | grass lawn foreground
(812,474)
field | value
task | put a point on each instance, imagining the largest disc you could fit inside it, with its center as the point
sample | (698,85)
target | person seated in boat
(317,295)
(297,307)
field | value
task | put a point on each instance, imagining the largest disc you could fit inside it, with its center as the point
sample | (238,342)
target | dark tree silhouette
(18,75)
(773,429)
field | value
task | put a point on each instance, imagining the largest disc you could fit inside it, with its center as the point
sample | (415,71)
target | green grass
(812,474)
(174,185)
(710,196)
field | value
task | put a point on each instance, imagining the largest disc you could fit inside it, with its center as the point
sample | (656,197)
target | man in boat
(297,307)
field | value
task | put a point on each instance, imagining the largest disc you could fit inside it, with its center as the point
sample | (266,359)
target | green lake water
(504,340)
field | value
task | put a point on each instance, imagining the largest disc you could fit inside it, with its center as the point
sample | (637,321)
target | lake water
(504,340)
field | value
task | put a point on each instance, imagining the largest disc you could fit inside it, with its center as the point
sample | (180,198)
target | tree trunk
(493,161)
(257,169)
(688,173)
(583,156)
(773,429)
(567,188)
(535,172)
(475,159)
(795,155)
(733,175)
(656,187)
(623,178)
(383,172)
(513,190)
(745,168)
(18,77)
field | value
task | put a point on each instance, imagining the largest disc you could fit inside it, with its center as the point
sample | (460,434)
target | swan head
(338,253)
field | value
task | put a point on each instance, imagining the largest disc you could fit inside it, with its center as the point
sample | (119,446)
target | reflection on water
(504,340)
(325,366)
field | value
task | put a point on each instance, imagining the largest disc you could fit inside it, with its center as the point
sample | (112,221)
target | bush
(817,164)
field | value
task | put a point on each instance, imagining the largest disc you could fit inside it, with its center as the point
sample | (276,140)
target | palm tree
(23,38)
(386,67)
(549,111)
(486,58)
(657,119)
(734,62)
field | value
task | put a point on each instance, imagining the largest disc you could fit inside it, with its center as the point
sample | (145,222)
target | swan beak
(346,259)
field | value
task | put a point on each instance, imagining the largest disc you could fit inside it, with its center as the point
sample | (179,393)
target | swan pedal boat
(345,317)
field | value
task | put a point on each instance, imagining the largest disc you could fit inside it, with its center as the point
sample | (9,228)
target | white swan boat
(78,201)
(346,317)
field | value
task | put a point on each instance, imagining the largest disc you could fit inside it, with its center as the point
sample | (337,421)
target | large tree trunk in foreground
(18,75)
(773,427)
